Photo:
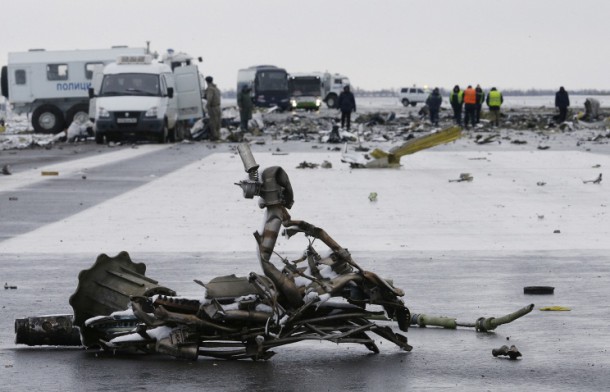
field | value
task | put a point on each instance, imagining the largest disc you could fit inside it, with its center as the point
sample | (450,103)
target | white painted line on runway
(65,169)
(198,209)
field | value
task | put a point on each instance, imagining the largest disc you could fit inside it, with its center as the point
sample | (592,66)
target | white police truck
(52,85)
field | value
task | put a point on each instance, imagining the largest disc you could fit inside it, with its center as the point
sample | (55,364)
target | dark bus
(269,85)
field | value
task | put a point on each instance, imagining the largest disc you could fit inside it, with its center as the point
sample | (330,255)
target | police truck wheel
(405,102)
(413,104)
(48,119)
(78,113)
(331,101)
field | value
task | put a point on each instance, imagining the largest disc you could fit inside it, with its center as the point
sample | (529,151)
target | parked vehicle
(305,91)
(269,85)
(412,95)
(52,85)
(332,86)
(135,96)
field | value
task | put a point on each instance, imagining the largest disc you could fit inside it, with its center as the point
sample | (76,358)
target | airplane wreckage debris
(116,308)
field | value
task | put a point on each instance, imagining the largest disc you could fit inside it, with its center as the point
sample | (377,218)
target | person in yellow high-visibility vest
(456,99)
(494,101)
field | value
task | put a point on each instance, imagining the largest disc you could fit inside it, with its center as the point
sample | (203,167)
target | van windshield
(130,84)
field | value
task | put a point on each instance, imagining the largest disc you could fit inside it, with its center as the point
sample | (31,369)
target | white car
(412,95)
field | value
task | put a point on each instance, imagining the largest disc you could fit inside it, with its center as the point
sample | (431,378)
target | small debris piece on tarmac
(538,290)
(511,352)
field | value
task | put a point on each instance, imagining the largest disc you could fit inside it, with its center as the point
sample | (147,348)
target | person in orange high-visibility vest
(470,106)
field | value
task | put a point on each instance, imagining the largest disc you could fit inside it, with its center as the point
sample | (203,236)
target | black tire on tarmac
(48,119)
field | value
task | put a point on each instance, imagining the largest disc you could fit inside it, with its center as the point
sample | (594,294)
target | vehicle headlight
(318,102)
(152,112)
(293,103)
(103,113)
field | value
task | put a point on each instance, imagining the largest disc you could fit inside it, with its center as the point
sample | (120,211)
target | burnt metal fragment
(511,352)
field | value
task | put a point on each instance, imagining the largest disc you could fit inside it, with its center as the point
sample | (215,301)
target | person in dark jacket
(456,99)
(562,101)
(434,102)
(347,105)
(480,101)
(245,104)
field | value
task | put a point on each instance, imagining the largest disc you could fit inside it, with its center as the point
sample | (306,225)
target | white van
(136,97)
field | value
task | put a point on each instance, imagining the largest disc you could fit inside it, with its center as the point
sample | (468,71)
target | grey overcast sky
(377,43)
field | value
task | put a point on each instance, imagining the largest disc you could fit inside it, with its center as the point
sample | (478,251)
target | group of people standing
(212,97)
(471,100)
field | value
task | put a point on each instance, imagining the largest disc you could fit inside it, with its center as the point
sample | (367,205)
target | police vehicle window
(90,67)
(57,71)
(419,90)
(20,76)
(338,81)
(404,90)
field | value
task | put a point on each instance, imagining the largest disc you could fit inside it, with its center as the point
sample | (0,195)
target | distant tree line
(392,92)
(506,92)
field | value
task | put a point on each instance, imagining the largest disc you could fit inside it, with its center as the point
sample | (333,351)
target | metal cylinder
(247,158)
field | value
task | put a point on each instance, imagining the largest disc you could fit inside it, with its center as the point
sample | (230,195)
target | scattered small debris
(49,173)
(84,177)
(541,183)
(373,196)
(13,198)
(307,165)
(538,290)
(540,216)
(326,165)
(557,231)
(517,141)
(598,180)
(9,287)
(6,170)
(596,166)
(463,177)
(555,309)
(511,352)
(543,147)
(479,139)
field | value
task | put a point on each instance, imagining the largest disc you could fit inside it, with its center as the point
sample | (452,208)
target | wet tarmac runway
(562,351)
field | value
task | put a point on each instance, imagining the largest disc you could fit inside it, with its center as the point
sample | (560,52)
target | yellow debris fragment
(555,308)
(49,173)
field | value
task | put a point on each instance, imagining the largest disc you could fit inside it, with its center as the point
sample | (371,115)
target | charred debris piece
(511,352)
(117,308)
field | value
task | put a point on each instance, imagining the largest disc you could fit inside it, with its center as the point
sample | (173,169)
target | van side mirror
(91,92)
(170,92)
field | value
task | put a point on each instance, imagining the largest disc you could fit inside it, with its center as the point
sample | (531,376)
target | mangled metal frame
(117,308)
(242,317)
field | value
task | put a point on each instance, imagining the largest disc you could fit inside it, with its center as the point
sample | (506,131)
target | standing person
(212,97)
(456,99)
(244,102)
(347,105)
(494,101)
(562,101)
(480,101)
(470,106)
(434,102)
